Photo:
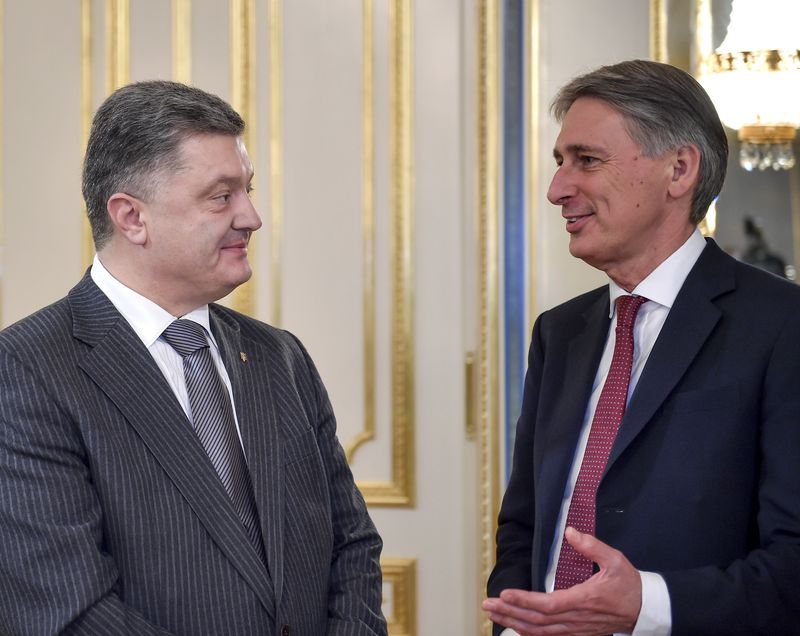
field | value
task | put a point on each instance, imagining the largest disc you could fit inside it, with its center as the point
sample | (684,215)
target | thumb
(591,547)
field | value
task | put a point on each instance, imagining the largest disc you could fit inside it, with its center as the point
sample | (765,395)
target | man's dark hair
(664,108)
(136,137)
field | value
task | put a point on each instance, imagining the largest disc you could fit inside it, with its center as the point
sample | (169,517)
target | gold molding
(243,100)
(368,229)
(401,490)
(794,206)
(703,37)
(182,41)
(275,157)
(117,53)
(401,573)
(117,44)
(469,396)
(488,356)
(87,244)
(658,31)
(532,149)
(2,152)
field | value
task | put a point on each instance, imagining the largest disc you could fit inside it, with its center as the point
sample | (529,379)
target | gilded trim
(769,60)
(117,75)
(469,396)
(794,206)
(532,149)
(87,244)
(401,574)
(276,157)
(703,37)
(182,41)
(2,151)
(401,490)
(489,346)
(658,31)
(368,230)
(243,100)
(117,44)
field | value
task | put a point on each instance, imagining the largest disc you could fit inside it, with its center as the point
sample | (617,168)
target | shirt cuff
(509,632)
(655,617)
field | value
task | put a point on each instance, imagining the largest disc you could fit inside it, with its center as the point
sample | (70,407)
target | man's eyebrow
(228,180)
(579,149)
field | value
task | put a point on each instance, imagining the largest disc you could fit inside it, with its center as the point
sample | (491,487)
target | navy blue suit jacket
(703,481)
(112,518)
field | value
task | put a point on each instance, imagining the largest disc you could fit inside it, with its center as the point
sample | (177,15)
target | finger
(525,628)
(540,609)
(551,604)
(522,625)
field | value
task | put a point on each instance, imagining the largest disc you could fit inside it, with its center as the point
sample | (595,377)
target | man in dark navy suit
(170,466)
(655,486)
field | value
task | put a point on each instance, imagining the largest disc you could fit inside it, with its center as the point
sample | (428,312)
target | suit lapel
(689,324)
(139,390)
(247,365)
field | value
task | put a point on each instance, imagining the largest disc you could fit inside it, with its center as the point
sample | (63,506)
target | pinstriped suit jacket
(112,519)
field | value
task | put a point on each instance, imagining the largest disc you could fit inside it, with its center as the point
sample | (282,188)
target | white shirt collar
(146,318)
(665,281)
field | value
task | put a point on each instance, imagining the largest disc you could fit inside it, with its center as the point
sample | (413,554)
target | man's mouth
(238,244)
(576,221)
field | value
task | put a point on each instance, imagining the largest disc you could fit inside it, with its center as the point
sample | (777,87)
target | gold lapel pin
(243,356)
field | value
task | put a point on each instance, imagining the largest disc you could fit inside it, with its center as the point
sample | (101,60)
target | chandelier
(753,78)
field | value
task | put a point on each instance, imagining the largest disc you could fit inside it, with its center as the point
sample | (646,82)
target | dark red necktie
(573,568)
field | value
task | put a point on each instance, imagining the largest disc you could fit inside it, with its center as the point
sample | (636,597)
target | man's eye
(224,198)
(587,160)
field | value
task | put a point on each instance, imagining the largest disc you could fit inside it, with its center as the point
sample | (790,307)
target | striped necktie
(213,421)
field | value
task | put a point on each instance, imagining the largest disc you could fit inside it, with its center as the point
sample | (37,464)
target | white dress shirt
(149,320)
(661,288)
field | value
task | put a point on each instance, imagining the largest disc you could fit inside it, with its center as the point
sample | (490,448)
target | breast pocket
(299,447)
(714,399)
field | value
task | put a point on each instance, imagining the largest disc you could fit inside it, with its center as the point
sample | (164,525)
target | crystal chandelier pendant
(753,78)
(766,147)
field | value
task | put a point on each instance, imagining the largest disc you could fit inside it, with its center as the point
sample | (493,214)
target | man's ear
(685,171)
(125,213)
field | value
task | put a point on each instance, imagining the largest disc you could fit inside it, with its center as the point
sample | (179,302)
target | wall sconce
(753,77)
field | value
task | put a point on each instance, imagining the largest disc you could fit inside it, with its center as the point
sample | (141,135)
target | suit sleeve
(55,576)
(758,594)
(354,600)
(516,520)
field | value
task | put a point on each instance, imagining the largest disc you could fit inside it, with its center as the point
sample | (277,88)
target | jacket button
(286,631)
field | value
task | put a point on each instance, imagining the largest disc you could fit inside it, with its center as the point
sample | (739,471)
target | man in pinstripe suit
(113,519)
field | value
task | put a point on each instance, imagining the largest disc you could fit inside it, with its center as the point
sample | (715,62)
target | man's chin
(578,247)
(242,278)
(232,283)
(584,251)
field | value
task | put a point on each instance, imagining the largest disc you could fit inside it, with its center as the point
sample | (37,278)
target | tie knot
(627,308)
(185,336)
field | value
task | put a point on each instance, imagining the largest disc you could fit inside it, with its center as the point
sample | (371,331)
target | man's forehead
(591,125)
(206,147)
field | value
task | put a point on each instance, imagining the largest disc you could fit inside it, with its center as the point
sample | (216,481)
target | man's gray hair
(135,141)
(664,108)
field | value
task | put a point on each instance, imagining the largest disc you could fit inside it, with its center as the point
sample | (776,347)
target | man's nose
(248,218)
(561,187)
